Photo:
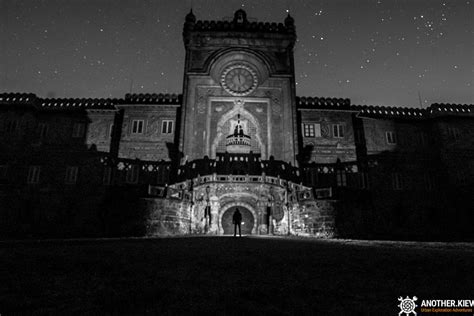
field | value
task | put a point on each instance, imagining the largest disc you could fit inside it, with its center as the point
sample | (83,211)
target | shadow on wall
(62,175)
(53,180)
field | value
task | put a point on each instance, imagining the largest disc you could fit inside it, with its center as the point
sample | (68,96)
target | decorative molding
(153,126)
(201,104)
(237,109)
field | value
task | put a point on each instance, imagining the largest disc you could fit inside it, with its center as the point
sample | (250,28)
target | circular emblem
(407,305)
(239,80)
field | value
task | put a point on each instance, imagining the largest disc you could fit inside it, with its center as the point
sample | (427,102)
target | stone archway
(249,219)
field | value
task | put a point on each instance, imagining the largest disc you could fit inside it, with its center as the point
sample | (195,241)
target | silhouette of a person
(237,220)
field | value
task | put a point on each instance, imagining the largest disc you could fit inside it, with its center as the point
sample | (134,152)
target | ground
(226,275)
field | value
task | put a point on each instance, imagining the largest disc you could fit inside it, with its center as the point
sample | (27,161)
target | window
(341,178)
(391,138)
(71,174)
(167,127)
(311,130)
(338,130)
(317,130)
(11,126)
(308,130)
(78,130)
(132,174)
(397,181)
(107,177)
(33,174)
(363,180)
(137,126)
(42,130)
(453,132)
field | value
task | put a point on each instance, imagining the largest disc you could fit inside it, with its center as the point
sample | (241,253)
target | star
(331,45)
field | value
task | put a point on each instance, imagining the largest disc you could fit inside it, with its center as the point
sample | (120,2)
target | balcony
(238,144)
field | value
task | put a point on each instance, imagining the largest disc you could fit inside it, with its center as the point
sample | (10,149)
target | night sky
(380,52)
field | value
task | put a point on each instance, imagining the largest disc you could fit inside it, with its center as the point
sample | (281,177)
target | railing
(229,167)
(238,140)
(238,164)
(218,178)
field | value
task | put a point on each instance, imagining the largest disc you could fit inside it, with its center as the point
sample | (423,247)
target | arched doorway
(248,220)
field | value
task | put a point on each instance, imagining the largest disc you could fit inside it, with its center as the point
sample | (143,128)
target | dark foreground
(223,275)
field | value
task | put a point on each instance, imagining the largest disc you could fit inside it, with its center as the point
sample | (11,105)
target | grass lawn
(223,275)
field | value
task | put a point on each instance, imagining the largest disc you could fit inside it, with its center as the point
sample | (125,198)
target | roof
(87,103)
(17,98)
(147,98)
(323,103)
(390,112)
(239,24)
(226,26)
(303,103)
(438,109)
(338,104)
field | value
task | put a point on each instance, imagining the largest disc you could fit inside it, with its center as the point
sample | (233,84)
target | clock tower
(238,89)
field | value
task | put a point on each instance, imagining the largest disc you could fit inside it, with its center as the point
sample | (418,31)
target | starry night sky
(380,52)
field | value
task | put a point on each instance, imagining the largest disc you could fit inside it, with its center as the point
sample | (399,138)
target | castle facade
(238,136)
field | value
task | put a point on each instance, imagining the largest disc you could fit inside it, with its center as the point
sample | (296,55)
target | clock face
(239,80)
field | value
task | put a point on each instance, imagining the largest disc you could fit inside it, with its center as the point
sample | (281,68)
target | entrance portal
(247,221)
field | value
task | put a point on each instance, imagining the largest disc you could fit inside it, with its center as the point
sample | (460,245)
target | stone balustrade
(219,178)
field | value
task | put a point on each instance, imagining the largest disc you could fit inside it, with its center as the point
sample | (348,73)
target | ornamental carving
(201,104)
(325,130)
(275,102)
(276,109)
(153,125)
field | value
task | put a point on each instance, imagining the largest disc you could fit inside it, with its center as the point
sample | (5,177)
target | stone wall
(270,105)
(327,148)
(315,218)
(151,144)
(267,204)
(161,217)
